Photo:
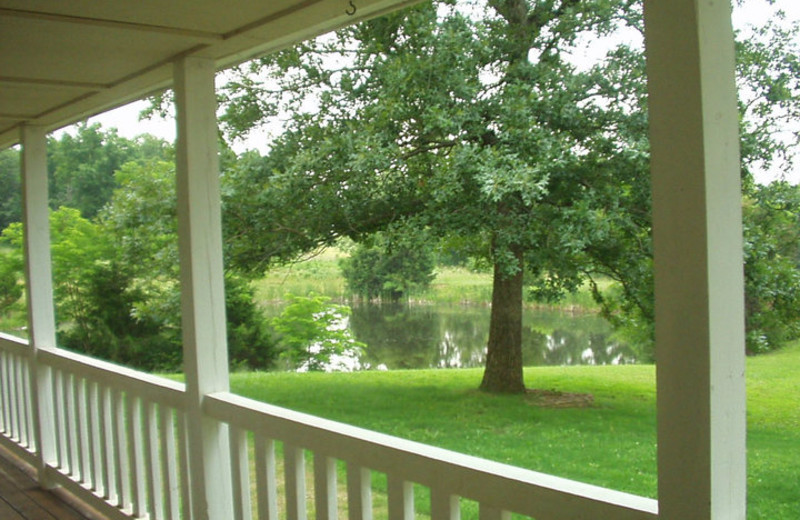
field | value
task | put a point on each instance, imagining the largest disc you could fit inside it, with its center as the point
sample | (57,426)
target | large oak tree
(470,120)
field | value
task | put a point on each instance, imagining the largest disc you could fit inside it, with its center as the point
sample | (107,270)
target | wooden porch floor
(22,499)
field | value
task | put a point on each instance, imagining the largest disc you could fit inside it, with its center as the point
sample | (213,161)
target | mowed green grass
(611,444)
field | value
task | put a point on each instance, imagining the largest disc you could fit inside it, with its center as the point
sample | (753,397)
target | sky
(126,119)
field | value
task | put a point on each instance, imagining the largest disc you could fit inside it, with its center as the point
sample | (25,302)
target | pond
(403,336)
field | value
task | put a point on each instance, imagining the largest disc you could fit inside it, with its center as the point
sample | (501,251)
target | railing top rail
(147,386)
(19,346)
(491,483)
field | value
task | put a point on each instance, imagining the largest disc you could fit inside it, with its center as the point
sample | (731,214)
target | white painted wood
(492,513)
(325,487)
(70,430)
(28,440)
(16,389)
(240,472)
(95,439)
(698,260)
(144,385)
(444,505)
(79,390)
(38,288)
(401,499)
(169,463)
(60,422)
(106,510)
(5,420)
(519,490)
(185,476)
(121,473)
(106,438)
(359,492)
(205,352)
(153,469)
(294,466)
(266,484)
(133,426)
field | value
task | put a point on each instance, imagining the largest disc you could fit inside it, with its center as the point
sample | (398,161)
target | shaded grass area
(611,444)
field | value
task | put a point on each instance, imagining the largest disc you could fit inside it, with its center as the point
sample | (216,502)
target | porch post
(205,355)
(697,235)
(39,290)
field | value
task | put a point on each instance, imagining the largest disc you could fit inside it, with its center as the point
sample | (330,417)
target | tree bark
(503,372)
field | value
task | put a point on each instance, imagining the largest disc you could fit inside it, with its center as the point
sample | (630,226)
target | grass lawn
(612,443)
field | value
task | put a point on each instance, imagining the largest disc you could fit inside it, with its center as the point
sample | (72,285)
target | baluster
(27,407)
(492,513)
(5,421)
(325,487)
(135,455)
(70,410)
(169,459)
(266,484)
(359,493)
(107,445)
(240,473)
(62,444)
(151,471)
(81,429)
(444,506)
(94,438)
(14,398)
(401,499)
(122,474)
(295,473)
(185,477)
(72,426)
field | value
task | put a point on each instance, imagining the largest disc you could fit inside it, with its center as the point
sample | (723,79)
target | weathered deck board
(22,499)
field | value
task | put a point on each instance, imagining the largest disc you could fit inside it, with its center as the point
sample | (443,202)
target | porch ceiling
(61,62)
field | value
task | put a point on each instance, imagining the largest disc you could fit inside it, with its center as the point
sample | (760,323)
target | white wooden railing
(120,444)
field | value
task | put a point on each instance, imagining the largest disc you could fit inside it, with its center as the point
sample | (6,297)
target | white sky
(126,119)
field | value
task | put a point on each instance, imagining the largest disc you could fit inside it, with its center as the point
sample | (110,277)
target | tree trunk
(503,372)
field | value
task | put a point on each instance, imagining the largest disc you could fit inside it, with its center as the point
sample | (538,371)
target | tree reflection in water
(402,336)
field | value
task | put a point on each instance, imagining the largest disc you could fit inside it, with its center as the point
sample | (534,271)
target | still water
(402,336)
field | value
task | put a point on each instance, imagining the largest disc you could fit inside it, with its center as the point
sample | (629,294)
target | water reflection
(400,336)
(425,336)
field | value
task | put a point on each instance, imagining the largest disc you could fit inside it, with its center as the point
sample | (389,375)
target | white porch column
(697,237)
(39,289)
(205,353)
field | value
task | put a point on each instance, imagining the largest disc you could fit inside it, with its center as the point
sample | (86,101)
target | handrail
(15,345)
(147,386)
(492,484)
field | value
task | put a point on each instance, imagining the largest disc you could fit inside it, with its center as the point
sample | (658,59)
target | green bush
(390,265)
(313,335)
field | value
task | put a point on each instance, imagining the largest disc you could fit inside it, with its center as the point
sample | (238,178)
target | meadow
(611,443)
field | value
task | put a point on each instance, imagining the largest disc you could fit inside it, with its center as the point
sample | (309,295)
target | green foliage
(82,166)
(10,189)
(116,278)
(313,337)
(495,148)
(772,258)
(10,288)
(514,148)
(390,265)
(141,217)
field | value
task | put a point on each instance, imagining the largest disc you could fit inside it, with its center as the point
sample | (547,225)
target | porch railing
(120,445)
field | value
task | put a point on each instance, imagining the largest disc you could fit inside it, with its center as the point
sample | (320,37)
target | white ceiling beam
(37,82)
(17,117)
(114,24)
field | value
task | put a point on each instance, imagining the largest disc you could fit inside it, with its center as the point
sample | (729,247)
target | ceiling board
(63,61)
